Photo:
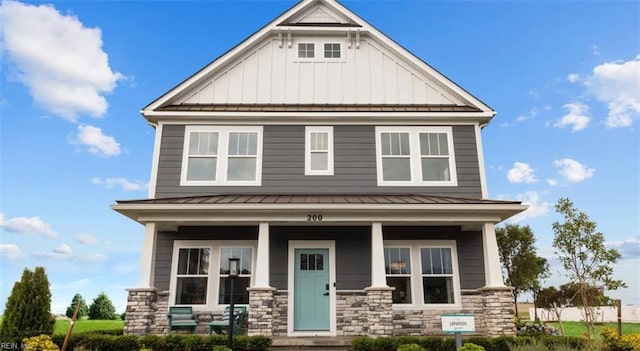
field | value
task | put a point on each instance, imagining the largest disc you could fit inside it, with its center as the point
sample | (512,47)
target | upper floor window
(306,50)
(415,156)
(222,155)
(318,151)
(423,273)
(332,50)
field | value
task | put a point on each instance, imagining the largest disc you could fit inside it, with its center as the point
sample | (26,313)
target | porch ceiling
(355,208)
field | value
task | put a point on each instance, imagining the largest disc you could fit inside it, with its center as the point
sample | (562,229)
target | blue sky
(564,78)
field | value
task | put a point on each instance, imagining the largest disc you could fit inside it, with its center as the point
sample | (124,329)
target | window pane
(191,291)
(436,261)
(332,50)
(319,262)
(194,261)
(201,168)
(243,253)
(402,293)
(183,259)
(444,145)
(433,144)
(438,289)
(397,260)
(204,262)
(319,141)
(194,141)
(203,143)
(447,264)
(240,293)
(304,262)
(435,169)
(241,168)
(395,144)
(319,161)
(426,261)
(398,169)
(312,262)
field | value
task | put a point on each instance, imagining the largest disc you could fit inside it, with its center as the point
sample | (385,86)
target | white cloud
(86,239)
(552,182)
(537,207)
(617,84)
(124,183)
(572,170)
(573,77)
(27,225)
(96,141)
(59,59)
(629,248)
(64,252)
(521,173)
(577,116)
(10,251)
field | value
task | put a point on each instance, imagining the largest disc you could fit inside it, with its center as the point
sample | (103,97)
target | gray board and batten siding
(283,165)
(352,244)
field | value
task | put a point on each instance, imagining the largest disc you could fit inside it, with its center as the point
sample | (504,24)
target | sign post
(458,324)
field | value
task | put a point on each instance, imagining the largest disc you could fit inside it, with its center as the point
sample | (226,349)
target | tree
(522,267)
(581,250)
(102,308)
(82,312)
(554,300)
(28,309)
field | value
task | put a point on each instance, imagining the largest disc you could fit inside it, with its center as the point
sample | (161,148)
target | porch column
(148,256)
(378,276)
(262,257)
(492,268)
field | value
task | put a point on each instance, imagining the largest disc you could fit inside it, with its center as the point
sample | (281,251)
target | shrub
(126,343)
(153,342)
(410,347)
(362,343)
(535,329)
(27,311)
(195,343)
(102,308)
(612,342)
(221,348)
(503,343)
(401,340)
(432,343)
(385,344)
(259,343)
(39,343)
(469,346)
(240,343)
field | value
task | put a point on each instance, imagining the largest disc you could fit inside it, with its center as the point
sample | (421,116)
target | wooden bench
(182,318)
(222,326)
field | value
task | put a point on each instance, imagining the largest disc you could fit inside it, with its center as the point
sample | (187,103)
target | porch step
(335,343)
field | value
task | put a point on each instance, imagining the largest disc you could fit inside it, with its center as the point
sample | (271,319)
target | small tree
(82,312)
(28,309)
(580,249)
(102,308)
(522,267)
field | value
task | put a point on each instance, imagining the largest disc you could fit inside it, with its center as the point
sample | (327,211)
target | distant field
(87,325)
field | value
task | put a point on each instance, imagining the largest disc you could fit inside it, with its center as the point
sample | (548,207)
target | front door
(311,290)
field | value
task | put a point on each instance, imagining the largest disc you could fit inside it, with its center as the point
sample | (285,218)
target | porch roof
(334,208)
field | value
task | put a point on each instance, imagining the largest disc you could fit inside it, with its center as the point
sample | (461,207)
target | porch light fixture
(234,263)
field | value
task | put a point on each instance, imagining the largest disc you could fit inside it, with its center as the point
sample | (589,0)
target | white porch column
(378,277)
(262,257)
(148,256)
(492,268)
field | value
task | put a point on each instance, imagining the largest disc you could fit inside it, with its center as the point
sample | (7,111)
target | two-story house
(344,172)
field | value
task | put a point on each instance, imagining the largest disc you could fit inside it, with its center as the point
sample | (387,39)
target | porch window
(217,155)
(434,279)
(417,156)
(319,151)
(192,276)
(243,281)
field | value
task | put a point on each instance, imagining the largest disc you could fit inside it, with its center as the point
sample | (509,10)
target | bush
(221,348)
(385,344)
(612,342)
(362,343)
(410,347)
(102,308)
(469,346)
(39,343)
(260,343)
(432,343)
(27,311)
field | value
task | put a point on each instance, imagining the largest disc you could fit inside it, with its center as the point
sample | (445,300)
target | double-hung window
(423,273)
(222,155)
(200,272)
(318,151)
(415,156)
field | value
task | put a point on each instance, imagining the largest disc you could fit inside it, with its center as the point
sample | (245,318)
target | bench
(221,326)
(182,318)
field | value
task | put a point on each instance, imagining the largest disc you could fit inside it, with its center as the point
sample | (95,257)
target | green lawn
(578,328)
(87,325)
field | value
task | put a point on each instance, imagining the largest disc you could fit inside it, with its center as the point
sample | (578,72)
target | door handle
(326,286)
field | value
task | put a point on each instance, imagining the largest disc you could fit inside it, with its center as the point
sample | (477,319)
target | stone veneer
(367,312)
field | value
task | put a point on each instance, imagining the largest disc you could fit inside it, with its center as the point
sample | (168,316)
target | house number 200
(314,218)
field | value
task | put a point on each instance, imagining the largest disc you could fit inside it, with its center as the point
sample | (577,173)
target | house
(344,172)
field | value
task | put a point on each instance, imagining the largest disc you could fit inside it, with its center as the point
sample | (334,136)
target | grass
(578,328)
(62,325)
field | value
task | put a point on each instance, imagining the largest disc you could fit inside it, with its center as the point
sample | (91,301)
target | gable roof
(324,16)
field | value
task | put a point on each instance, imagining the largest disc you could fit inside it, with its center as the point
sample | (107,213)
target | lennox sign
(458,323)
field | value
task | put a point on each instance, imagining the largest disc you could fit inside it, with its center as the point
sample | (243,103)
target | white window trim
(213,282)
(318,52)
(222,157)
(341,58)
(416,273)
(307,150)
(415,161)
(315,51)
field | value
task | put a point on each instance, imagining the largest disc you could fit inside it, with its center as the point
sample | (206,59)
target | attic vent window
(306,50)
(332,50)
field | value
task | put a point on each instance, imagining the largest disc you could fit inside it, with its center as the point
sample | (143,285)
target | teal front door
(311,290)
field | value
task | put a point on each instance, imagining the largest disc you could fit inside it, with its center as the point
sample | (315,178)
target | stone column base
(260,319)
(140,313)
(379,311)
(499,310)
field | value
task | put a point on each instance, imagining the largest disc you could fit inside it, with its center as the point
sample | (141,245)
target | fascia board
(297,115)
